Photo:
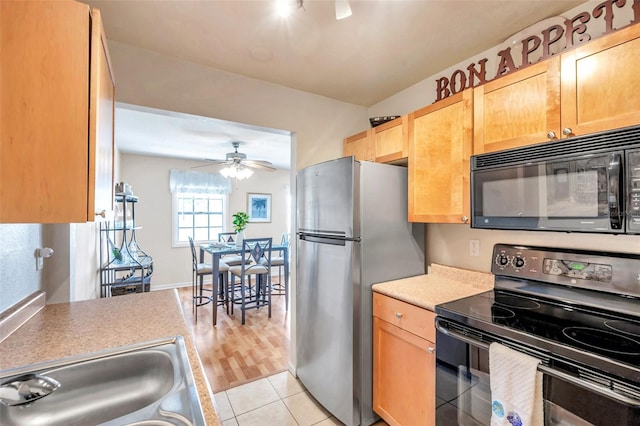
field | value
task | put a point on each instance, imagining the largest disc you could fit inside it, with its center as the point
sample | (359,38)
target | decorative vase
(239,238)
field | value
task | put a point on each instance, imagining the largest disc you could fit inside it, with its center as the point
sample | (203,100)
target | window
(200,216)
(199,205)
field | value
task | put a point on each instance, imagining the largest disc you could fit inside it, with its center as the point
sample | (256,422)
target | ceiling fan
(238,160)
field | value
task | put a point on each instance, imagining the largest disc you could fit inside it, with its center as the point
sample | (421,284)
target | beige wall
(449,244)
(153,80)
(149,179)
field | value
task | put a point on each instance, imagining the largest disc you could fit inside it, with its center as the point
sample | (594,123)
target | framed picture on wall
(259,207)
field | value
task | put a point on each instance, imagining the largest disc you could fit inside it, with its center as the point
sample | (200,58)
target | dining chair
(254,250)
(280,288)
(199,270)
(228,238)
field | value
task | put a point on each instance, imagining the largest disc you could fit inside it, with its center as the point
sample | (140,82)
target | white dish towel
(516,388)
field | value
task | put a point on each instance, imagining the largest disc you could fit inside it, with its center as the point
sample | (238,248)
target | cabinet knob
(431,349)
(567,131)
(465,219)
(398,314)
(552,135)
(102,214)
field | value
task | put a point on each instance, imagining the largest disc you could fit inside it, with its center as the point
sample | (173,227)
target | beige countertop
(442,284)
(68,329)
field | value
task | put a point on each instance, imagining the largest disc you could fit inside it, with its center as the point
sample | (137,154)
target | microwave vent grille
(577,146)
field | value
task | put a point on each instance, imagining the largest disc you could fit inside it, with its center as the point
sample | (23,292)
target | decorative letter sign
(573,33)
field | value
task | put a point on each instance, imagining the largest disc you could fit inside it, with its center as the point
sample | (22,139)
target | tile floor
(278,400)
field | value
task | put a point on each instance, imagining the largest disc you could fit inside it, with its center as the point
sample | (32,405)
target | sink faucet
(25,389)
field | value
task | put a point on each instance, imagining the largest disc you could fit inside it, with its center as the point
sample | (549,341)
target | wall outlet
(474,248)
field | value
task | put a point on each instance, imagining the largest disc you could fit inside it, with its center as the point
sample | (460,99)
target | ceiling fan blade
(211,162)
(259,165)
(343,9)
(263,162)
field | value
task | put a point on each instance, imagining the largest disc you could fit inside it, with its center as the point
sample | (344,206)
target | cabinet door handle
(398,315)
(552,135)
(102,214)
(431,349)
(567,131)
(465,219)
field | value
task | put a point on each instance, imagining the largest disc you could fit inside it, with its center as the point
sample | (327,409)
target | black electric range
(565,305)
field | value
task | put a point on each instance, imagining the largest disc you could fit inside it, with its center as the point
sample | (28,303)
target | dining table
(217,250)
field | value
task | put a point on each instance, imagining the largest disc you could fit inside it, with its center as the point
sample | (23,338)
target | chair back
(226,237)
(286,239)
(194,257)
(257,252)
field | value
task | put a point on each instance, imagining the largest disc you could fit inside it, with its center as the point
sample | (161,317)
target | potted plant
(240,222)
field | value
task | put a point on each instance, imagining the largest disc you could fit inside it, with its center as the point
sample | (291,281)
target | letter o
(458,77)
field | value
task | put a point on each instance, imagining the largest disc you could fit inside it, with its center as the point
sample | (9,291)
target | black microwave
(587,183)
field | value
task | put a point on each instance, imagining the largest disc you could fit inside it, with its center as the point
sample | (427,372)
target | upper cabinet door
(391,141)
(360,146)
(518,109)
(101,122)
(601,83)
(440,142)
(45,103)
(47,81)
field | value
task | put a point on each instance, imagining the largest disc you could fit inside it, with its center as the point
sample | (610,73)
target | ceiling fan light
(236,172)
(243,173)
(343,9)
(228,172)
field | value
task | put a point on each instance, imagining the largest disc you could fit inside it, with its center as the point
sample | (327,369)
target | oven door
(463,390)
(567,194)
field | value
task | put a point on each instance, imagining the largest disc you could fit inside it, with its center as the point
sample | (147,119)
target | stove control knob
(502,260)
(518,262)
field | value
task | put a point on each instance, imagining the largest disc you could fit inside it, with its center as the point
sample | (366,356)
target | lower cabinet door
(403,376)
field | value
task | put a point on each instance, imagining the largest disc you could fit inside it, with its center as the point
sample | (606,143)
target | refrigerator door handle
(324,239)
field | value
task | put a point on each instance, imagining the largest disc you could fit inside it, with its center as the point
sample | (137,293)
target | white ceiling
(148,131)
(383,48)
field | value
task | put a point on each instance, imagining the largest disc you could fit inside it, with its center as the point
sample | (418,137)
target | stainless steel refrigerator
(352,232)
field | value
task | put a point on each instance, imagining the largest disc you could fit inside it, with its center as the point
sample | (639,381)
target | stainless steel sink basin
(144,384)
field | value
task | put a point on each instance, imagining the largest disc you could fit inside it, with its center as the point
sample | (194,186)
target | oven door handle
(601,390)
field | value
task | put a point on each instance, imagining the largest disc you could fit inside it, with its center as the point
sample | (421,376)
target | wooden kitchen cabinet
(391,141)
(440,144)
(591,88)
(385,143)
(600,83)
(360,145)
(518,109)
(404,362)
(56,110)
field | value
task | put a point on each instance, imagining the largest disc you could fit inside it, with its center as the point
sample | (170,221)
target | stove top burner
(603,340)
(626,327)
(552,325)
(497,312)
(516,302)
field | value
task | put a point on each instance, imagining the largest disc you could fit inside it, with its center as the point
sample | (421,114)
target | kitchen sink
(145,384)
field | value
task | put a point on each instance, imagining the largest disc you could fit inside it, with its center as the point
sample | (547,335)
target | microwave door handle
(615,209)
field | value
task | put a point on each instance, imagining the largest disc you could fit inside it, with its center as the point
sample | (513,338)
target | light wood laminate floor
(233,354)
